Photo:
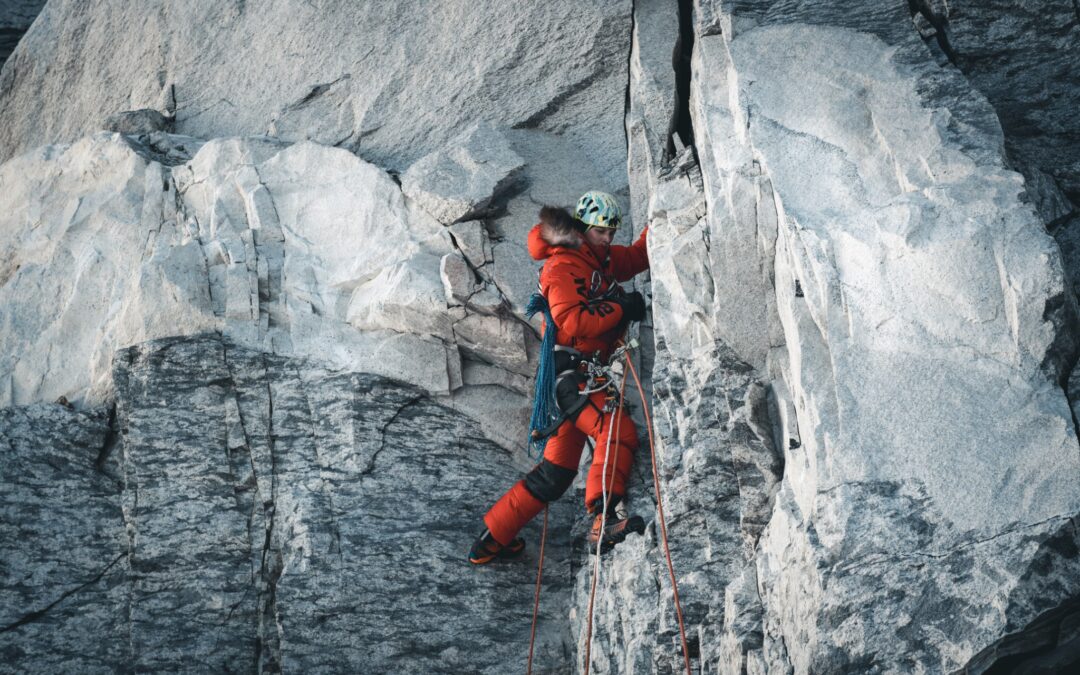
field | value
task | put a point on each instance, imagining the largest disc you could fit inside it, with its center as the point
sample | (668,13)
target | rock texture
(400,84)
(299,250)
(15,17)
(1022,57)
(63,543)
(286,306)
(841,202)
(459,184)
(246,512)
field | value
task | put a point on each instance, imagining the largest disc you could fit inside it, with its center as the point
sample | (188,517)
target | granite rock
(858,358)
(398,85)
(458,183)
(254,512)
(299,250)
(136,122)
(65,573)
(883,548)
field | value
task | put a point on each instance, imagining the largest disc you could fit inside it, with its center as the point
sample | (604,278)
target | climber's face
(599,238)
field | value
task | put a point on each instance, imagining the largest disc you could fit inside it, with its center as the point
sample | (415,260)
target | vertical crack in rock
(112,435)
(272,562)
(939,23)
(629,79)
(269,243)
(684,123)
(38,614)
(264,576)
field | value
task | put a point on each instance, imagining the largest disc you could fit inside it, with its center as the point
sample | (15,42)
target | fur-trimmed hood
(557,228)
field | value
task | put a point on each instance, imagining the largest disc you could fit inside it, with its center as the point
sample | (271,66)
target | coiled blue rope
(545,408)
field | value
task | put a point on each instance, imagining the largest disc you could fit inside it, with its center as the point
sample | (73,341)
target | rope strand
(536,601)
(604,491)
(663,525)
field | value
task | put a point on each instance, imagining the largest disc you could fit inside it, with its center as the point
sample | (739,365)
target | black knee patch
(547,482)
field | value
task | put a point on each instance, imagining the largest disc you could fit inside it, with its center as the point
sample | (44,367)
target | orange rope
(596,563)
(603,519)
(536,602)
(663,525)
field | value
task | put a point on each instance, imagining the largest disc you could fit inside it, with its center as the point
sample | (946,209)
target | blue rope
(545,409)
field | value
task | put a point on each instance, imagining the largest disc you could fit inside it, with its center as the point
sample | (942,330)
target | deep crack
(112,435)
(940,24)
(682,63)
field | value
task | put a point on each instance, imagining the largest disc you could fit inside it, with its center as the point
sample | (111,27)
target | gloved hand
(633,306)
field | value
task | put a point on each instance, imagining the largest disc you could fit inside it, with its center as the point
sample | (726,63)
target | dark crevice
(537,119)
(940,25)
(684,50)
(1076,10)
(272,563)
(1046,645)
(112,435)
(35,615)
(629,77)
(1056,223)
(317,91)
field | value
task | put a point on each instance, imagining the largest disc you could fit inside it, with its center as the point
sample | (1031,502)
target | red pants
(562,454)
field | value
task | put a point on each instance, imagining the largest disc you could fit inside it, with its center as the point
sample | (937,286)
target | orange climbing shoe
(615,530)
(485,549)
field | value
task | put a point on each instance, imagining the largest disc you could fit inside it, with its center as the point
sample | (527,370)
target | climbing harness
(599,371)
(554,403)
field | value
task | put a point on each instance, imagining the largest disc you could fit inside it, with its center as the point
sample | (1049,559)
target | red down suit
(577,284)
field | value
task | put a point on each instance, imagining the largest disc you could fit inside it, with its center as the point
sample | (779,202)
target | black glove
(633,306)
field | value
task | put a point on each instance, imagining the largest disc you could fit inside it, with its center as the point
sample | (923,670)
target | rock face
(459,184)
(842,202)
(1034,96)
(256,513)
(299,250)
(400,83)
(64,547)
(286,307)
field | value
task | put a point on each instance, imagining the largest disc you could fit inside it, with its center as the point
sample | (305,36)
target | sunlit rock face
(299,250)
(391,83)
(868,251)
(263,365)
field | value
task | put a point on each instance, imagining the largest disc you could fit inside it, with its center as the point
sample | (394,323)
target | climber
(591,312)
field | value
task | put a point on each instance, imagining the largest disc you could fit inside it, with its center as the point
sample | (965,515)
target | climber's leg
(599,426)
(547,481)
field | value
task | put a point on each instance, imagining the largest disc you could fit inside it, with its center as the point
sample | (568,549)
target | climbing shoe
(615,529)
(485,549)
